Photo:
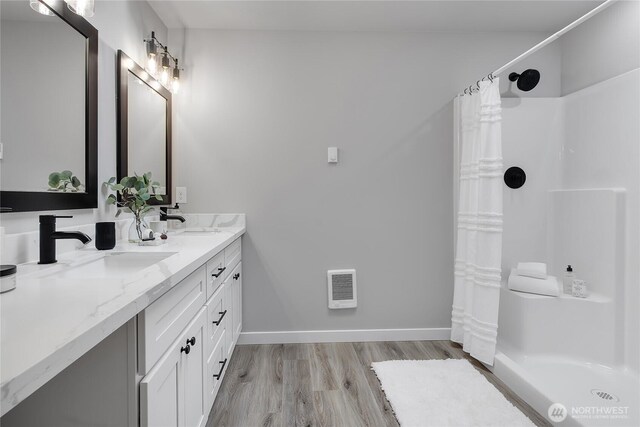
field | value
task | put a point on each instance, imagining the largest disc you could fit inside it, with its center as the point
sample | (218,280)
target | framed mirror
(144,126)
(49,104)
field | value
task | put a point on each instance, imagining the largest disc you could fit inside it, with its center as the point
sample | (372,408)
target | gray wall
(255,116)
(605,46)
(121,25)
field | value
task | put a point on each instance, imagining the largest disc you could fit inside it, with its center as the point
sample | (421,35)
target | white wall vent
(342,288)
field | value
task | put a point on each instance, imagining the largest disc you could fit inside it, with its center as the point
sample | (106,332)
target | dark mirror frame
(125,66)
(28,201)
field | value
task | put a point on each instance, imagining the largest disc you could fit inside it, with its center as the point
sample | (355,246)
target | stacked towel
(537,270)
(547,286)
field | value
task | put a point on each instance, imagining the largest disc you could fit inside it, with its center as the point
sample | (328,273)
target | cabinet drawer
(217,272)
(160,324)
(216,367)
(233,254)
(217,314)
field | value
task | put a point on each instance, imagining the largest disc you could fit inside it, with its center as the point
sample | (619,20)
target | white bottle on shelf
(567,281)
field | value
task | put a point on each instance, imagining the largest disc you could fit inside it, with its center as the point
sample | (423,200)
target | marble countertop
(47,323)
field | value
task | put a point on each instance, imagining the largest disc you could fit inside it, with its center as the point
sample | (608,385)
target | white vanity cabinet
(180,380)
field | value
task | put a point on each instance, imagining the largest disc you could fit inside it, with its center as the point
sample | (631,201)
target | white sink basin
(111,265)
(202,232)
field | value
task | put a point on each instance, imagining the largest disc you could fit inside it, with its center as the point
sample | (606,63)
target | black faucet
(49,235)
(164,216)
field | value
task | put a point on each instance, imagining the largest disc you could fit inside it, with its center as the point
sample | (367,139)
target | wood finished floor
(324,384)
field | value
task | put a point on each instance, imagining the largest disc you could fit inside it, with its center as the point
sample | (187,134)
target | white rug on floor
(444,393)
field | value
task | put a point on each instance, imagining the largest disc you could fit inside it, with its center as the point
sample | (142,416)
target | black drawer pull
(221,317)
(186,349)
(236,276)
(219,374)
(191,341)
(220,271)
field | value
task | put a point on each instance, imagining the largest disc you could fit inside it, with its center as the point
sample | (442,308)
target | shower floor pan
(593,395)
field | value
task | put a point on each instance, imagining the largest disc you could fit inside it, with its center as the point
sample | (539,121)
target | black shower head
(527,80)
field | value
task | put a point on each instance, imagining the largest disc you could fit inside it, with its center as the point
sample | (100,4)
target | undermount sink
(112,265)
(206,232)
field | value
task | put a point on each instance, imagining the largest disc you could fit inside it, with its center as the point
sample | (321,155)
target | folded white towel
(532,269)
(548,286)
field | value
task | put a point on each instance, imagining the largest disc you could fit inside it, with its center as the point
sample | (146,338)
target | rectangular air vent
(342,288)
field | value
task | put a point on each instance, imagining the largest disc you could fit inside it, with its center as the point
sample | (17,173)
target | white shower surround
(582,157)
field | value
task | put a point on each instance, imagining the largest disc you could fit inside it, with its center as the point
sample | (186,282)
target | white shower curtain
(479,234)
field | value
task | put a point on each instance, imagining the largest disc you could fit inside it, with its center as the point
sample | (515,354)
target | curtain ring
(490,77)
(478,84)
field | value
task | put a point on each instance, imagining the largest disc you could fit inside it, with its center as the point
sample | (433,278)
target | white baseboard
(352,335)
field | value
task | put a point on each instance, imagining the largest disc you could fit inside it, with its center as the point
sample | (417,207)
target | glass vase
(139,229)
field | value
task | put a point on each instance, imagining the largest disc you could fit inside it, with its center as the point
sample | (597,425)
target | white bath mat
(444,393)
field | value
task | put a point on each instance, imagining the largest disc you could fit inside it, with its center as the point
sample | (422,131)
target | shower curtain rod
(540,45)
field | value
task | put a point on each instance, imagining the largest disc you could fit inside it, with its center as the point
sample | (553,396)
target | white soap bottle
(567,281)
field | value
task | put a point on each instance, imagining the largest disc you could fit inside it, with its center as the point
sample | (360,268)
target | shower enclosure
(579,206)
(576,136)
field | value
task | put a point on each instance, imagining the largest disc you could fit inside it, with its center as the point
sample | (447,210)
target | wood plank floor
(324,384)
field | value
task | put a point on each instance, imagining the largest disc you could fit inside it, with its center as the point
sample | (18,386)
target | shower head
(527,80)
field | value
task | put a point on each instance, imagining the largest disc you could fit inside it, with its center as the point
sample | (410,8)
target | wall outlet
(181,194)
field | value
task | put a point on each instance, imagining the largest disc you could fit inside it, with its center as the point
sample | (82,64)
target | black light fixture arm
(164,48)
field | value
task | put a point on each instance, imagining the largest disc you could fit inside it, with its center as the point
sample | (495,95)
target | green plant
(65,181)
(134,193)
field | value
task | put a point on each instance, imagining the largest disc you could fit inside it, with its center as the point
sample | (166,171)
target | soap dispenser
(567,281)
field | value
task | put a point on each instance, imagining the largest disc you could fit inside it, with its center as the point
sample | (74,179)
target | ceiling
(397,15)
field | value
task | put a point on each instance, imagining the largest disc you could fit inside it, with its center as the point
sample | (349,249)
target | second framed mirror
(144,126)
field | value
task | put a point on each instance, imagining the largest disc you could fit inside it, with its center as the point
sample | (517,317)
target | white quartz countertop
(48,322)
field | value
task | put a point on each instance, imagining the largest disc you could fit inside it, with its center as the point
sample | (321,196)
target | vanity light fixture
(164,73)
(85,8)
(168,76)
(41,7)
(152,53)
(175,85)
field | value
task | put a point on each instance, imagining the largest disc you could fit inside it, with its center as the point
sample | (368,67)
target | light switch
(333,155)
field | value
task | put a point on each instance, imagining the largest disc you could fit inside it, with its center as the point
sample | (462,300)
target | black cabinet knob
(236,276)
(186,349)
(191,341)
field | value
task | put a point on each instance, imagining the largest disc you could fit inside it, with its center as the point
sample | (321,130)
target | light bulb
(175,86)
(40,7)
(84,8)
(152,65)
(164,77)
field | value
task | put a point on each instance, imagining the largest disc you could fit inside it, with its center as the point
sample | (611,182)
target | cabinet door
(161,396)
(228,321)
(236,285)
(239,304)
(193,371)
